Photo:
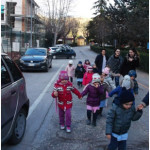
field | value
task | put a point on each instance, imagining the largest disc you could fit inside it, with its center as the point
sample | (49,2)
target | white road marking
(38,100)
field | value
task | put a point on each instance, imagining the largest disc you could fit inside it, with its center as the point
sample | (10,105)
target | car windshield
(41,52)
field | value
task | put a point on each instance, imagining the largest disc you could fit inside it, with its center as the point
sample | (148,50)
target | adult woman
(131,62)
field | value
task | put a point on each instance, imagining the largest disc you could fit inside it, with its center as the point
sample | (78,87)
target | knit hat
(63,75)
(132,73)
(126,96)
(70,62)
(89,68)
(95,78)
(126,82)
(106,70)
(80,62)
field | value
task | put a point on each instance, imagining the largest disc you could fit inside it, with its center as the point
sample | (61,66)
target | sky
(79,8)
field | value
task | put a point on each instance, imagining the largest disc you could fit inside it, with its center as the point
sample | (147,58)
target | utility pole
(31,27)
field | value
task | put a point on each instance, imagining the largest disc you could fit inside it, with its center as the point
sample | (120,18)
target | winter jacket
(146,100)
(70,70)
(129,65)
(93,98)
(87,78)
(135,86)
(64,94)
(79,72)
(109,81)
(118,91)
(106,88)
(115,63)
(99,62)
(119,119)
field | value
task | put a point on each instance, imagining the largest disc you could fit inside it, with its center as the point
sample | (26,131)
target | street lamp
(31,27)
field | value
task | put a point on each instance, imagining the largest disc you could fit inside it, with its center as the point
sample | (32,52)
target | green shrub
(144,56)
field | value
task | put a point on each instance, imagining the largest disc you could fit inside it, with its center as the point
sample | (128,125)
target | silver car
(14,102)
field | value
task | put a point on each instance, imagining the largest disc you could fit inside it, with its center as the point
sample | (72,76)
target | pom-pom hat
(63,75)
(95,78)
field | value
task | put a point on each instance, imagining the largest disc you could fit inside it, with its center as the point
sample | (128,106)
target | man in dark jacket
(114,63)
(119,121)
(101,61)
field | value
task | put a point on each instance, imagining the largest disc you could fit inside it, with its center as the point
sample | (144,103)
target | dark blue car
(36,59)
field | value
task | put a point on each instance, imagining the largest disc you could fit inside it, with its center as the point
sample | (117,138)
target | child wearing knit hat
(94,90)
(79,72)
(87,78)
(119,121)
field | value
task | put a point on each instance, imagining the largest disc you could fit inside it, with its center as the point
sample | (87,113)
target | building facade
(21,26)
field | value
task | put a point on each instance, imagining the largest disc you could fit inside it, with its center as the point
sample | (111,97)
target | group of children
(98,88)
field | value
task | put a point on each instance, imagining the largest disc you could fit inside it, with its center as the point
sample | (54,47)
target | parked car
(52,49)
(64,53)
(36,59)
(14,102)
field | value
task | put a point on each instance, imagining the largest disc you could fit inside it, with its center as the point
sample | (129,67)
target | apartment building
(21,26)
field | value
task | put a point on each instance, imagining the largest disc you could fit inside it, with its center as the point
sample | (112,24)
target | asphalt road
(42,130)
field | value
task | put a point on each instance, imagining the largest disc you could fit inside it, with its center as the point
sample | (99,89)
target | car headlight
(21,61)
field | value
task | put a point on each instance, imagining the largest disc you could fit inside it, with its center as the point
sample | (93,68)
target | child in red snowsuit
(62,89)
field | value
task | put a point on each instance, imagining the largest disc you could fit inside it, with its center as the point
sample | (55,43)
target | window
(2,12)
(13,68)
(5,78)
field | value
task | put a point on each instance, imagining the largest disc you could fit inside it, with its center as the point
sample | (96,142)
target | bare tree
(75,28)
(57,13)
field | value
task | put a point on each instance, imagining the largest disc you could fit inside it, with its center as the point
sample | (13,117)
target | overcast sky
(79,8)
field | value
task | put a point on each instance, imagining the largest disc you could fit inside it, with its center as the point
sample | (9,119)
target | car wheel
(18,128)
(54,57)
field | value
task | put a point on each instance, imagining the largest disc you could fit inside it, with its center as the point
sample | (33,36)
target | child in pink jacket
(87,78)
(70,70)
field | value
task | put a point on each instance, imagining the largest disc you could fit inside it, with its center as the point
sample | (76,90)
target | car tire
(18,128)
(54,57)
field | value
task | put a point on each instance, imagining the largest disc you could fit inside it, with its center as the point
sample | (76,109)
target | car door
(9,96)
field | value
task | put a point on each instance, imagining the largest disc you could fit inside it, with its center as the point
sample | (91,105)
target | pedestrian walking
(101,61)
(62,90)
(107,78)
(94,90)
(133,75)
(79,73)
(115,63)
(87,78)
(70,70)
(131,62)
(103,97)
(119,121)
(86,64)
(125,83)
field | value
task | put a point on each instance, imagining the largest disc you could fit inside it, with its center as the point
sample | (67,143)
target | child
(119,121)
(62,90)
(133,75)
(70,70)
(94,90)
(79,72)
(103,97)
(95,70)
(87,78)
(126,83)
(107,78)
(86,64)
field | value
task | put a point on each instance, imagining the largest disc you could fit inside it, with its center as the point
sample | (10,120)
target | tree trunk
(55,38)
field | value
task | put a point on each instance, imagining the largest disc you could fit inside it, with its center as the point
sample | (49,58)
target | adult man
(114,63)
(101,61)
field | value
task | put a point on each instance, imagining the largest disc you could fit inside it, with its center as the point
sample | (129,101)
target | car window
(13,68)
(5,78)
(31,51)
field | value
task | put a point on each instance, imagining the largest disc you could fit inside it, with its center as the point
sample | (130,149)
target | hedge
(144,56)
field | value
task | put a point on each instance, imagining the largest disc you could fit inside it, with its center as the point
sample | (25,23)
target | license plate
(31,64)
